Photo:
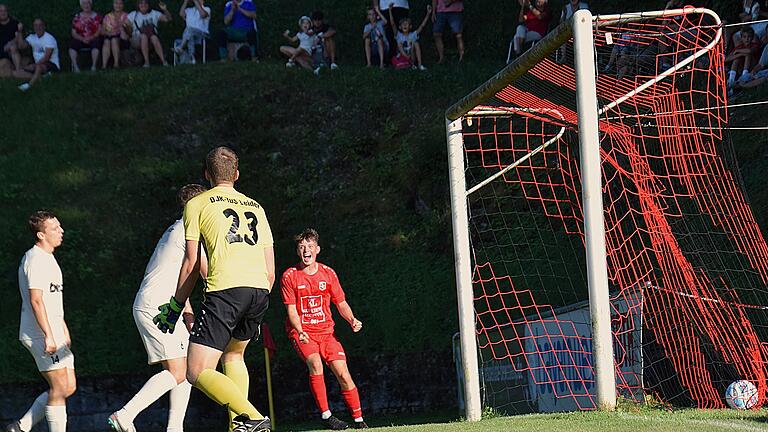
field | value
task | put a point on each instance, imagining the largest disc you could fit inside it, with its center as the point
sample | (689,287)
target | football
(741,395)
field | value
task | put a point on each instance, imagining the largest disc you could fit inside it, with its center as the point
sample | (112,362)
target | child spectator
(375,36)
(115,29)
(197,18)
(744,56)
(144,21)
(408,46)
(326,33)
(45,51)
(307,40)
(450,13)
(534,22)
(86,27)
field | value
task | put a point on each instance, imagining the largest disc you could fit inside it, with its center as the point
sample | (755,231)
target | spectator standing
(240,26)
(9,27)
(374,36)
(307,40)
(115,30)
(45,52)
(408,46)
(326,33)
(86,26)
(400,10)
(144,21)
(534,21)
(448,13)
(568,10)
(197,18)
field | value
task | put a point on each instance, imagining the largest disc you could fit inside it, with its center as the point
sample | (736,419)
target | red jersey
(312,295)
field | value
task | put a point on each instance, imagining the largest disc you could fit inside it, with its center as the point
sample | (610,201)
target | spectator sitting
(400,9)
(115,30)
(568,10)
(326,33)
(9,26)
(374,36)
(197,18)
(743,56)
(451,13)
(86,26)
(45,52)
(408,45)
(240,26)
(534,22)
(307,41)
(144,21)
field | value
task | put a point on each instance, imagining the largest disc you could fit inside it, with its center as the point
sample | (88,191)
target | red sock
(317,385)
(352,398)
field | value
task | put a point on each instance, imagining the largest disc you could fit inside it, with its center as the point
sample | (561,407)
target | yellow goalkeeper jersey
(234,231)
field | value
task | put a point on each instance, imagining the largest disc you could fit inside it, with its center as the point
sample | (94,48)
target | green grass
(621,421)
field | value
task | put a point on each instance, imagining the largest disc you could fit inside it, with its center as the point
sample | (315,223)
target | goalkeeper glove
(168,316)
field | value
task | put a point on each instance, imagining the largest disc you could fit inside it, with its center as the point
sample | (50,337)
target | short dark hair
(221,164)
(318,15)
(307,234)
(187,192)
(748,30)
(36,221)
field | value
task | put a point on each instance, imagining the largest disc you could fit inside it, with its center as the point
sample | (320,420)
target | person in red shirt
(534,22)
(308,289)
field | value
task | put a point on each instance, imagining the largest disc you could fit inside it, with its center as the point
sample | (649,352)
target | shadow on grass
(385,420)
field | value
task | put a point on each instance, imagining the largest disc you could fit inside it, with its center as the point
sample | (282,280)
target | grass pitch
(620,421)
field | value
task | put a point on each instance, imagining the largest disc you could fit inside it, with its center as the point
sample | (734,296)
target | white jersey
(196,21)
(40,271)
(162,273)
(40,43)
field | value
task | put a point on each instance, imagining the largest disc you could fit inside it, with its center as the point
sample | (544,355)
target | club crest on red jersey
(322,286)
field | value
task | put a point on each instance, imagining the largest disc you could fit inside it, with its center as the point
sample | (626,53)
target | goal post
(604,245)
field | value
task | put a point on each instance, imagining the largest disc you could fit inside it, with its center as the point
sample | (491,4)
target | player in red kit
(308,290)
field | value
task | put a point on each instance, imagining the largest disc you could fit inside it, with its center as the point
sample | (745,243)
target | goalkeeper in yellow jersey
(235,232)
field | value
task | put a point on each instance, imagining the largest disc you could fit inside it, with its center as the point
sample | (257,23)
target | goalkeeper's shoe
(360,425)
(333,423)
(13,427)
(118,425)
(168,316)
(244,424)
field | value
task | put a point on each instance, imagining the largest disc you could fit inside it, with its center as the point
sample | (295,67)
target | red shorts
(326,345)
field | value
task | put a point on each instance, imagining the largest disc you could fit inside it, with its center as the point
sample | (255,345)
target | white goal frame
(580,27)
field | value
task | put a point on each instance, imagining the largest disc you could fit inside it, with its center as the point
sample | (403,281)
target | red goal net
(687,262)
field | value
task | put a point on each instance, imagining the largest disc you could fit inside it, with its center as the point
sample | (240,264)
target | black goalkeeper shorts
(234,313)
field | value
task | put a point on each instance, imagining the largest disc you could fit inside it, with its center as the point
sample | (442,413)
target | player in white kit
(43,330)
(169,349)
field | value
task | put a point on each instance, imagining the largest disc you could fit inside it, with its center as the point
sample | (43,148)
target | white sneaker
(290,64)
(24,87)
(178,49)
(334,66)
(118,425)
(317,71)
(422,68)
(745,77)
(731,82)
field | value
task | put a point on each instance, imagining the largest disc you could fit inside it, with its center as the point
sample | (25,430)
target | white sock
(57,418)
(732,75)
(178,406)
(35,414)
(359,420)
(158,385)
(326,415)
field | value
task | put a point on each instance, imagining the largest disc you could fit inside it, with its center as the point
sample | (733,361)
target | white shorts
(62,358)
(161,346)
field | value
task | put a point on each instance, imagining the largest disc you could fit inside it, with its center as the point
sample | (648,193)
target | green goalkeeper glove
(168,316)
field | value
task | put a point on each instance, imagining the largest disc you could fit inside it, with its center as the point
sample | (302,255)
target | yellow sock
(223,391)
(237,372)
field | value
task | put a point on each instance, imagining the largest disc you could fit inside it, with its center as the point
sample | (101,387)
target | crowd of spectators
(121,37)
(391,37)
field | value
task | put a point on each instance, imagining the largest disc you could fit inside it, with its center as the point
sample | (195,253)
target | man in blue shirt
(240,26)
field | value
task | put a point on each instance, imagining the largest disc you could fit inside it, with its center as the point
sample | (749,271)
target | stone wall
(407,383)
